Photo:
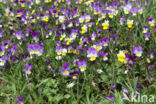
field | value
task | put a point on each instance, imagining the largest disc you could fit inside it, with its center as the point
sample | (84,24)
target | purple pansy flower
(19,35)
(3,61)
(92,54)
(138,51)
(35,36)
(147,36)
(35,49)
(65,69)
(48,65)
(74,74)
(105,41)
(111,97)
(27,69)
(82,65)
(130,58)
(2,50)
(20,100)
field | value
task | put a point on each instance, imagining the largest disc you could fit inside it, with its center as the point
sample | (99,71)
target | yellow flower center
(1,53)
(31,52)
(74,76)
(28,71)
(138,54)
(66,72)
(59,52)
(37,51)
(92,58)
(105,57)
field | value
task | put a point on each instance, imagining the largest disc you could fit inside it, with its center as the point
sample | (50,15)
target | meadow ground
(77,51)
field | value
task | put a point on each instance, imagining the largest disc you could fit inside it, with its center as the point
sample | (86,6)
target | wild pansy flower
(82,65)
(150,67)
(58,57)
(122,19)
(64,51)
(125,90)
(151,54)
(99,71)
(105,56)
(2,50)
(134,11)
(77,23)
(115,12)
(3,60)
(122,57)
(138,51)
(98,46)
(28,32)
(93,36)
(81,19)
(22,3)
(111,97)
(19,13)
(105,25)
(70,23)
(35,49)
(76,51)
(87,18)
(145,29)
(44,18)
(140,10)
(63,36)
(151,21)
(83,40)
(130,58)
(89,24)
(105,41)
(48,65)
(70,85)
(26,56)
(104,13)
(61,19)
(27,69)
(74,74)
(74,33)
(50,32)
(12,49)
(65,69)
(37,1)
(84,29)
(19,35)
(96,11)
(35,36)
(70,49)
(130,23)
(127,8)
(87,3)
(20,100)
(68,41)
(5,43)
(111,14)
(148,60)
(147,36)
(75,62)
(92,54)
(7,10)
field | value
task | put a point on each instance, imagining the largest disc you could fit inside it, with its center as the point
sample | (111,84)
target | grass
(45,86)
